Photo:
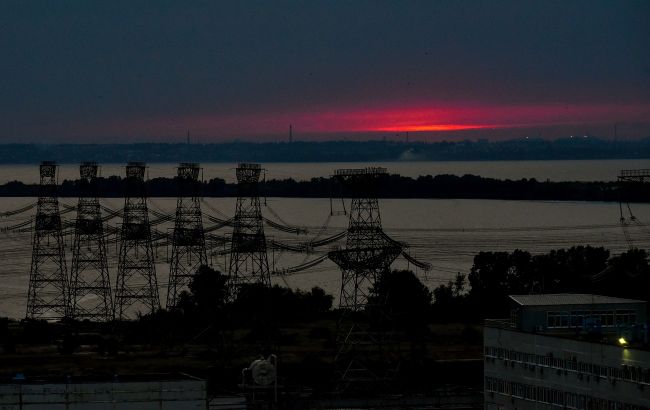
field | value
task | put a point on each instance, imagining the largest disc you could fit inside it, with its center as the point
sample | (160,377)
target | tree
(495,275)
(206,298)
(404,297)
(451,300)
(260,300)
(568,270)
(627,275)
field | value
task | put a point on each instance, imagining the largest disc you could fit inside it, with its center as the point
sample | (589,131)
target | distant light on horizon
(432,127)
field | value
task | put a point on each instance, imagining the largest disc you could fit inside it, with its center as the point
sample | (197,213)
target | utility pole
(90,286)
(136,273)
(47,295)
(188,237)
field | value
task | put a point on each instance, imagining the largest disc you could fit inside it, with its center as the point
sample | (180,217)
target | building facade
(574,351)
(177,393)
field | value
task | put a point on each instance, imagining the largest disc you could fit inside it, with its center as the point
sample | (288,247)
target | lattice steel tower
(47,297)
(248,259)
(136,273)
(628,179)
(368,250)
(188,237)
(368,253)
(90,285)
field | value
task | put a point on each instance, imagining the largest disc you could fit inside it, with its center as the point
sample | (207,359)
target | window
(542,394)
(604,318)
(571,363)
(625,317)
(557,319)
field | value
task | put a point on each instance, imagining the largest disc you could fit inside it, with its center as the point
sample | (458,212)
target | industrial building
(173,392)
(575,351)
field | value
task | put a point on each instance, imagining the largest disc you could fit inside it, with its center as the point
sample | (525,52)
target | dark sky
(143,71)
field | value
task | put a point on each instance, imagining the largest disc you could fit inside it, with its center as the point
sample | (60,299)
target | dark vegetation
(328,151)
(394,186)
(212,337)
(580,269)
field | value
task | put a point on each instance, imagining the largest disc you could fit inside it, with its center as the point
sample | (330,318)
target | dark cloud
(72,63)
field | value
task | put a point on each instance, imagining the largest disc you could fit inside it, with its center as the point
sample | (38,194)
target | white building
(572,351)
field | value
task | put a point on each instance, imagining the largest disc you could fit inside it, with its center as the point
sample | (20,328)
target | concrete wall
(152,395)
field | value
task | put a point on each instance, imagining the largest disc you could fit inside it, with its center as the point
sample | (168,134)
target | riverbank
(392,186)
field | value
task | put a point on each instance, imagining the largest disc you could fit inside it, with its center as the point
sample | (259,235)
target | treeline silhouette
(303,324)
(405,304)
(393,186)
(331,151)
(411,306)
(483,293)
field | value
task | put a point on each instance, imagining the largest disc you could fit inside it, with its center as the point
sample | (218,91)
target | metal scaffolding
(188,237)
(136,285)
(47,296)
(90,285)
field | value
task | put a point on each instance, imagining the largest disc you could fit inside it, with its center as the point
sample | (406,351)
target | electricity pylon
(47,296)
(90,285)
(136,273)
(248,259)
(368,251)
(188,237)
(367,254)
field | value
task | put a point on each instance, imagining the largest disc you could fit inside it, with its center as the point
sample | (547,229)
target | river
(445,233)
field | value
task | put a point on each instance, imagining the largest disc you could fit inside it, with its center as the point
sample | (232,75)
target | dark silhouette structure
(248,258)
(368,253)
(628,179)
(368,250)
(188,237)
(90,286)
(47,297)
(136,274)
(634,175)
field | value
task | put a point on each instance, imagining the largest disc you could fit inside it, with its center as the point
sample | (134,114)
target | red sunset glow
(430,127)
(402,119)
(340,120)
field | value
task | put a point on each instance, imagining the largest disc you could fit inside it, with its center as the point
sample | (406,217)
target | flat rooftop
(552,299)
(131,378)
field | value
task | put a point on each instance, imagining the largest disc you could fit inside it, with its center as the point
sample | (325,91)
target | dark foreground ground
(444,362)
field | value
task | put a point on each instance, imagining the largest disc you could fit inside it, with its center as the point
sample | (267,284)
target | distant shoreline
(393,186)
(331,151)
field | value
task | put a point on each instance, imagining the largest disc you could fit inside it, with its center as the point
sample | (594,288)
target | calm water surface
(445,233)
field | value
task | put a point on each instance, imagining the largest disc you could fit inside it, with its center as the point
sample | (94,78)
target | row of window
(556,397)
(590,318)
(629,373)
